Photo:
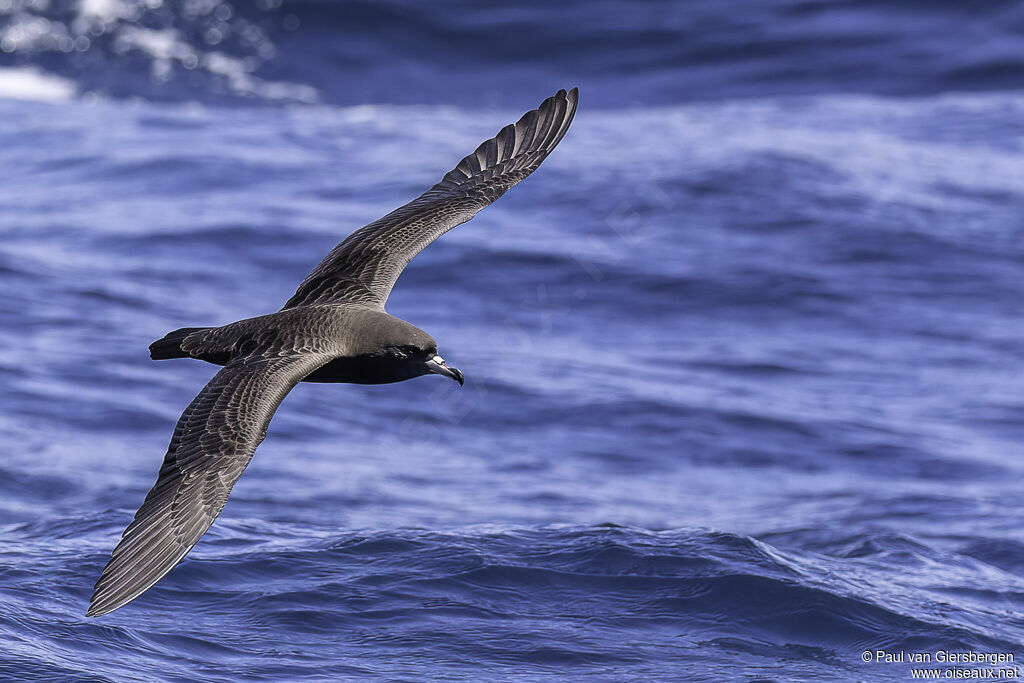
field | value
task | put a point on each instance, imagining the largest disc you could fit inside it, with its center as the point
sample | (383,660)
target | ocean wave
(794,318)
(399,51)
(495,596)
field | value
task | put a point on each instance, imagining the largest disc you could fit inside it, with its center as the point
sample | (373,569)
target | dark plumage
(334,329)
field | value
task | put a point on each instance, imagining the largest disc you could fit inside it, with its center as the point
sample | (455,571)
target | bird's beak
(437,366)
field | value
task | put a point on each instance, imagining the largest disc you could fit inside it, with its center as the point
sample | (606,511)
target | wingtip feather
(519,146)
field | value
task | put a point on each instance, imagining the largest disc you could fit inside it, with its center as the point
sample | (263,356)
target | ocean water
(744,358)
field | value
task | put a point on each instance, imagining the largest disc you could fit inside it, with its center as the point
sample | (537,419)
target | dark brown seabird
(334,329)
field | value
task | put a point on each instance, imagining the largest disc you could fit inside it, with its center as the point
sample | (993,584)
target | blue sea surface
(744,358)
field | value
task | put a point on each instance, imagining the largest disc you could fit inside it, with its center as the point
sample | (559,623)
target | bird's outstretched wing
(212,443)
(366,265)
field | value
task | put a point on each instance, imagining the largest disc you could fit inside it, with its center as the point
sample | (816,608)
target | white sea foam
(30,83)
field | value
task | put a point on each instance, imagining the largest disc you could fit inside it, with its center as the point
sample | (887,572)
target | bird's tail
(170,345)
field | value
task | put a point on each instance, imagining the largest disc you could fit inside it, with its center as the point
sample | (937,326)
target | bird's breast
(365,369)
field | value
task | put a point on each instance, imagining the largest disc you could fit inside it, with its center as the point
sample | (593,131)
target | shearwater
(334,329)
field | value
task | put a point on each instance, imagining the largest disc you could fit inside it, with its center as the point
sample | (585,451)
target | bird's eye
(405,351)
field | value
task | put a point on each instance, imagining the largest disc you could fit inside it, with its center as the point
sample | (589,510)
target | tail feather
(169,346)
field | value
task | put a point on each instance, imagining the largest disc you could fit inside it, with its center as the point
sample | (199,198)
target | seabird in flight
(334,329)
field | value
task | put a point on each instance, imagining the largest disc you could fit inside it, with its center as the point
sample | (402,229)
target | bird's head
(406,350)
(421,358)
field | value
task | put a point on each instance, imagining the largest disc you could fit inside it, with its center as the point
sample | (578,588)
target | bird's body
(333,329)
(355,336)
